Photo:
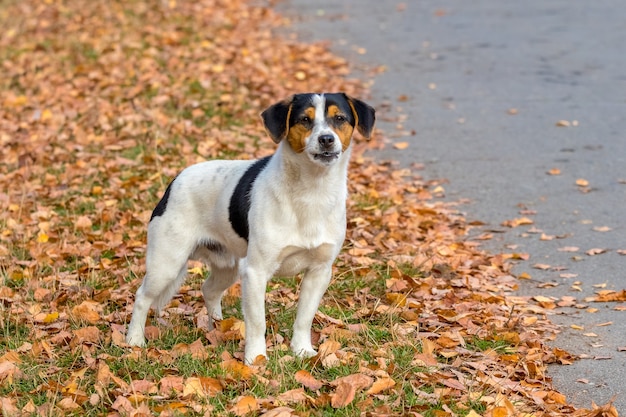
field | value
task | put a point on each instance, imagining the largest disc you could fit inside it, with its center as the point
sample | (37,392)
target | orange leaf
(401,145)
(237,370)
(245,405)
(381,385)
(87,310)
(308,380)
(520,221)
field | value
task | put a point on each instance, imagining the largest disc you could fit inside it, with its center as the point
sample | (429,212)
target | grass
(280,369)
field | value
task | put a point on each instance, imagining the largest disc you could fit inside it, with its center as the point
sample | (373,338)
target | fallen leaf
(569,249)
(554,171)
(381,385)
(517,222)
(244,405)
(343,395)
(401,145)
(305,378)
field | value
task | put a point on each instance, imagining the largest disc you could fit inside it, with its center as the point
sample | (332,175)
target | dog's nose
(326,140)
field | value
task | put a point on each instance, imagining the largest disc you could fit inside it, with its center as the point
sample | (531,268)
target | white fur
(297,222)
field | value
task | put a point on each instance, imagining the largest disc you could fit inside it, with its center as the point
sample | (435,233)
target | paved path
(463,65)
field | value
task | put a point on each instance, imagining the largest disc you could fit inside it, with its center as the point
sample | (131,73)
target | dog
(282,214)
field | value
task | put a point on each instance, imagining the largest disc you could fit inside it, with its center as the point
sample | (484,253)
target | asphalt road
(483,85)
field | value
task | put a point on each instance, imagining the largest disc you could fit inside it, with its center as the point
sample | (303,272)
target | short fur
(283,215)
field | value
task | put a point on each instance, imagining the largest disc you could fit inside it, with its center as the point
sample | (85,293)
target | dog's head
(321,125)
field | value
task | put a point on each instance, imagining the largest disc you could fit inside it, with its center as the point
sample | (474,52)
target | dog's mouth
(326,156)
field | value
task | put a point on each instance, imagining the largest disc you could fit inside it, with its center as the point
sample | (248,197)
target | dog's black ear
(276,119)
(365,116)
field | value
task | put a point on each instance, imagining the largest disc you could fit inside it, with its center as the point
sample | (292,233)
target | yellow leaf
(46,115)
(42,238)
(50,317)
(196,270)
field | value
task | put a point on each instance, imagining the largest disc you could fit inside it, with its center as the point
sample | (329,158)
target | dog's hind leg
(312,288)
(165,272)
(213,289)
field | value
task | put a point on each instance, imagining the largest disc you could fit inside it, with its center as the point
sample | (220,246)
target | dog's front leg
(253,285)
(312,289)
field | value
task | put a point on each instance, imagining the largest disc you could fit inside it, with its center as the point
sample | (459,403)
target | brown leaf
(609,296)
(293,396)
(343,395)
(89,334)
(595,251)
(381,385)
(88,311)
(518,222)
(200,387)
(305,378)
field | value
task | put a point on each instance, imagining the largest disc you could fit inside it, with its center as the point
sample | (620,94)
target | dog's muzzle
(327,148)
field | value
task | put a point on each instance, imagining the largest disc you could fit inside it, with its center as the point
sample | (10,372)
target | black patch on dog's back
(240,200)
(160,208)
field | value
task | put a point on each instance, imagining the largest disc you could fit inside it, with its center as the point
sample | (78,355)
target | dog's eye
(340,118)
(305,119)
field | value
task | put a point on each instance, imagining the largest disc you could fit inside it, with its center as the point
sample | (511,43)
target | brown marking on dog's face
(321,125)
(339,122)
(300,127)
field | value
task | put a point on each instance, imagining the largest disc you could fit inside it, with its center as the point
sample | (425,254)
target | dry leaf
(401,145)
(381,385)
(244,405)
(517,222)
(305,378)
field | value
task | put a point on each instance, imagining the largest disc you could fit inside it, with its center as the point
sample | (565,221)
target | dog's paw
(304,352)
(136,340)
(252,352)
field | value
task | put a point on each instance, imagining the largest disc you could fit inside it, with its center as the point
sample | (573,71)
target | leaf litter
(102,104)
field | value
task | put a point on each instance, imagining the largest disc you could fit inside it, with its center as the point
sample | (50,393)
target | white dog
(282,214)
